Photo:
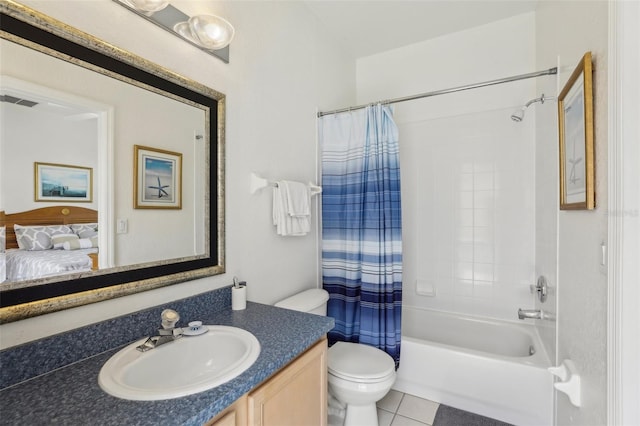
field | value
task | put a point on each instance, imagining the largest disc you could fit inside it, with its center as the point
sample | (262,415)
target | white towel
(292,208)
(298,196)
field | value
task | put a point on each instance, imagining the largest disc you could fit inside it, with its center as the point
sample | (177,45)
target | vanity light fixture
(209,33)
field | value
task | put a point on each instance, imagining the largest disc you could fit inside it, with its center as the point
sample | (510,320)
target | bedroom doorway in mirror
(68,133)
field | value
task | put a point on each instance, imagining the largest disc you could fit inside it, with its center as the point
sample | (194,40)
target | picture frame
(62,183)
(575,127)
(157,175)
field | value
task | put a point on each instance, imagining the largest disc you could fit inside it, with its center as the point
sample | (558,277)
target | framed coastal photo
(62,182)
(157,176)
(575,125)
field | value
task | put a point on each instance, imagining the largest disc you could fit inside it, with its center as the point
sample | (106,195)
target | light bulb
(148,5)
(211,32)
(184,29)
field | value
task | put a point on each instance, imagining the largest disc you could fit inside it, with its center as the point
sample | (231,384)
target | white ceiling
(367,27)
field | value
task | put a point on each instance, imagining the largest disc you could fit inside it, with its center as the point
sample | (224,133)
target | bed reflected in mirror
(50,241)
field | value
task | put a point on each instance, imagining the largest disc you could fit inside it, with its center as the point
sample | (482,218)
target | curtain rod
(550,71)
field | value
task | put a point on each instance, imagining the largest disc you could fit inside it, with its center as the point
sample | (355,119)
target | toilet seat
(360,363)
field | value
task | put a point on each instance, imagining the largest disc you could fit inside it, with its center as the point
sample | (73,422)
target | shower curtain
(362,227)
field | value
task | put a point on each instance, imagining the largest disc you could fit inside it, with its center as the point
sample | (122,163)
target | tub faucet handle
(530,313)
(540,287)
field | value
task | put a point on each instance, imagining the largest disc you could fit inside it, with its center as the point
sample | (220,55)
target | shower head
(518,116)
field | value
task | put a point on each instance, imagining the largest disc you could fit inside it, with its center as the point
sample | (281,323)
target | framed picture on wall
(575,125)
(157,176)
(61,182)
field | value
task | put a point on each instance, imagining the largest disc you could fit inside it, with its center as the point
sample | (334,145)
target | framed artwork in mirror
(575,126)
(157,178)
(61,182)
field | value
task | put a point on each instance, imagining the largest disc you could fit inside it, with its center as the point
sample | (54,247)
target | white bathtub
(478,365)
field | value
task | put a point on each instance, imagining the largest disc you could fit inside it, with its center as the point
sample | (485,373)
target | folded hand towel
(291,208)
(297,196)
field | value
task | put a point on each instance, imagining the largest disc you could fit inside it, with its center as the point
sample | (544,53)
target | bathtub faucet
(530,313)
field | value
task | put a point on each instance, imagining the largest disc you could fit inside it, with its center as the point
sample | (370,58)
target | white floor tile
(384,417)
(418,409)
(395,409)
(405,421)
(391,401)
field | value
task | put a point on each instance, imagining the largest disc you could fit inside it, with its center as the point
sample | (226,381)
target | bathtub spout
(530,313)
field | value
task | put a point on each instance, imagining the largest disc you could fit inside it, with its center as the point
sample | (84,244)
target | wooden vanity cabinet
(294,396)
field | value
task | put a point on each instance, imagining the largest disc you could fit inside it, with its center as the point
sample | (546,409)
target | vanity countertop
(71,395)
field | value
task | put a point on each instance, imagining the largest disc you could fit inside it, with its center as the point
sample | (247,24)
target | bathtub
(493,368)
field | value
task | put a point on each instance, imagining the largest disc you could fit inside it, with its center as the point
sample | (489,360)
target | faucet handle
(169,318)
(541,288)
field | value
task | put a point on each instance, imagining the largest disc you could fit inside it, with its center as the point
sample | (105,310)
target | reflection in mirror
(89,105)
(47,136)
(51,123)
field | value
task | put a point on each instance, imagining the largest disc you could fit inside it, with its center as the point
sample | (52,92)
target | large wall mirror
(111,170)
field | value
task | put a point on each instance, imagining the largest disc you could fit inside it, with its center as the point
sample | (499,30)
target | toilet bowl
(359,375)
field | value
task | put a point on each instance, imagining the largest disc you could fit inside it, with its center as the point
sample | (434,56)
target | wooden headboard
(56,215)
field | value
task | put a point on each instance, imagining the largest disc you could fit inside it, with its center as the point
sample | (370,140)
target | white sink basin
(188,365)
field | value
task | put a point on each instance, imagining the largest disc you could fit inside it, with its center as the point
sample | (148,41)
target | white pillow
(59,240)
(38,237)
(80,243)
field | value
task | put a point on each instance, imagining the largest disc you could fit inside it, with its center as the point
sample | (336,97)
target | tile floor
(400,409)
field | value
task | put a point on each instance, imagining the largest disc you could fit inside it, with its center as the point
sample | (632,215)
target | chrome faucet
(168,332)
(530,313)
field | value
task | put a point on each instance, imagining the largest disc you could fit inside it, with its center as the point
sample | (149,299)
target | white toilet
(359,375)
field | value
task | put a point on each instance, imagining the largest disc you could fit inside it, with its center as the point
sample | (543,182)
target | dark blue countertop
(71,395)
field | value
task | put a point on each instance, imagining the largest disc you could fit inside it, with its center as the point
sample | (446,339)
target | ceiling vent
(13,100)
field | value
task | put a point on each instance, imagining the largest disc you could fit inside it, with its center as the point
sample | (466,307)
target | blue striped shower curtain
(362,227)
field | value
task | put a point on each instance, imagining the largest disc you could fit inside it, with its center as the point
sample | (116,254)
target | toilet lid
(359,362)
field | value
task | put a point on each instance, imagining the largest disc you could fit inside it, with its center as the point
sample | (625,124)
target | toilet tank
(313,301)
